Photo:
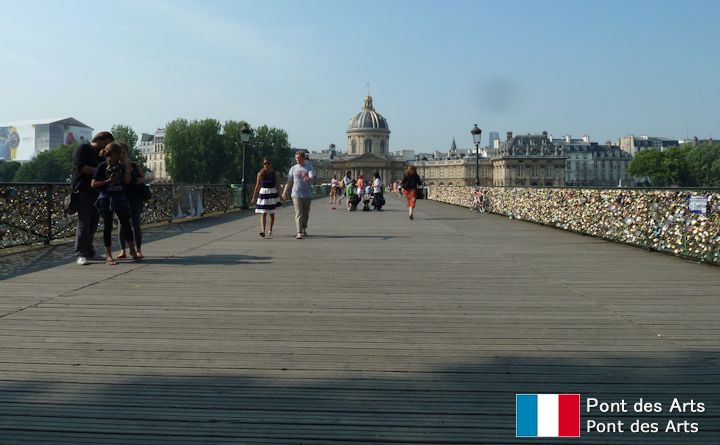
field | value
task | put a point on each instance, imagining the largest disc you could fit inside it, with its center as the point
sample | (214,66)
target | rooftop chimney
(509,136)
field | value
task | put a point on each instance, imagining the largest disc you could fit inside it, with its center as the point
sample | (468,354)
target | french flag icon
(547,415)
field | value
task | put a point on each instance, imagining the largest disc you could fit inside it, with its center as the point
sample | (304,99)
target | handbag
(70,203)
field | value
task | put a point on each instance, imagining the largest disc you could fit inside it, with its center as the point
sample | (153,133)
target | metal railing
(32,212)
(655,219)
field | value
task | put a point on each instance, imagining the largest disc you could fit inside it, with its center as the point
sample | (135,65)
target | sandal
(262,234)
(270,234)
(110,262)
(121,255)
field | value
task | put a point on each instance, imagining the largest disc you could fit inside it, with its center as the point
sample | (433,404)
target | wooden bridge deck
(374,329)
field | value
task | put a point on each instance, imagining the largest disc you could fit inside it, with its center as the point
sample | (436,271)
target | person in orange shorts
(410,183)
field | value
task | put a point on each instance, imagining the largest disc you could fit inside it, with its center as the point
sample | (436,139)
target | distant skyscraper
(493,135)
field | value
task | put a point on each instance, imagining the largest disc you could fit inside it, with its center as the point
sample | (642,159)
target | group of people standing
(267,195)
(357,190)
(107,184)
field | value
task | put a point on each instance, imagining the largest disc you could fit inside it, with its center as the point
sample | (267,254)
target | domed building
(368,148)
(368,131)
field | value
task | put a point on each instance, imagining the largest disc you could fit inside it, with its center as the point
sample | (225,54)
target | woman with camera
(112,177)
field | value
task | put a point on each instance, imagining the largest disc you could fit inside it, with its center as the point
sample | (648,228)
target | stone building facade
(152,146)
(461,171)
(595,165)
(528,160)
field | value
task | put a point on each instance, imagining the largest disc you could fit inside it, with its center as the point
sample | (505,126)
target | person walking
(410,183)
(85,158)
(300,180)
(111,177)
(378,200)
(266,195)
(137,180)
(334,186)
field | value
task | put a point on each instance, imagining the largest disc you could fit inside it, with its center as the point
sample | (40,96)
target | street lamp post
(476,134)
(244,138)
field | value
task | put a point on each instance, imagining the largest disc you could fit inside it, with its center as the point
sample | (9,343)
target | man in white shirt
(300,180)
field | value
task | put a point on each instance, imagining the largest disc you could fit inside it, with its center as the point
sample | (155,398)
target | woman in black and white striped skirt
(266,195)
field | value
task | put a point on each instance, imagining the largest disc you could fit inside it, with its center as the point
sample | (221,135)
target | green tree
(125,133)
(49,166)
(179,156)
(195,152)
(704,164)
(8,170)
(233,150)
(648,164)
(200,152)
(210,151)
(271,143)
(675,166)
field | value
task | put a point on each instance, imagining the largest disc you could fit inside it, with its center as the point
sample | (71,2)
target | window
(549,171)
(535,171)
(382,146)
(354,146)
(368,146)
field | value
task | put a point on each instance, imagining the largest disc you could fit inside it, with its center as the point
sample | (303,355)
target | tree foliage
(8,170)
(271,143)
(195,151)
(179,155)
(683,166)
(49,166)
(704,164)
(125,133)
(206,152)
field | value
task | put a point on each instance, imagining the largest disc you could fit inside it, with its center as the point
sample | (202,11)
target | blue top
(268,182)
(300,187)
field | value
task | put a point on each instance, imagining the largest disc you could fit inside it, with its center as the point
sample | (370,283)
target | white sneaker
(81,260)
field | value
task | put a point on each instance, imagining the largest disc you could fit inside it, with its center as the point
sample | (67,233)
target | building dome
(368,118)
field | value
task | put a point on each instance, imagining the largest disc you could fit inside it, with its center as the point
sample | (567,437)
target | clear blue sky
(605,68)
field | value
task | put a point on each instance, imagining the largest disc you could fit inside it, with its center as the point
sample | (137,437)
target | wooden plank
(374,329)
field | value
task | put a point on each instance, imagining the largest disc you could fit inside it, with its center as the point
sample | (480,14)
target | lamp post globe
(476,135)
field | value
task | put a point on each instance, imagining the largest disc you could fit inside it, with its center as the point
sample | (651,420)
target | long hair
(111,149)
(410,170)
